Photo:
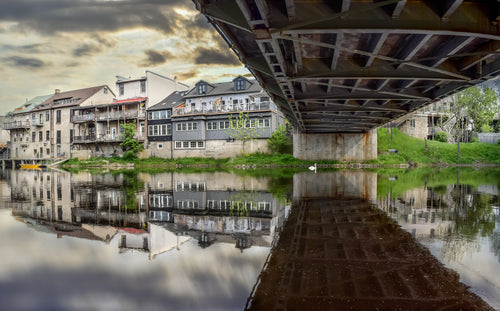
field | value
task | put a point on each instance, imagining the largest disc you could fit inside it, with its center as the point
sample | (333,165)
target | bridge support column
(336,146)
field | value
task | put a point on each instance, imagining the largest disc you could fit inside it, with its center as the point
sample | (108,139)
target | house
(153,86)
(18,124)
(160,125)
(201,125)
(52,132)
(98,128)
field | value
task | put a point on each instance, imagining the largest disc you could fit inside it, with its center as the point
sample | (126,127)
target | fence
(490,138)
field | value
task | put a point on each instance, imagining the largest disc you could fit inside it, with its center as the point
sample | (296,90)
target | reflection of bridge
(350,66)
(336,251)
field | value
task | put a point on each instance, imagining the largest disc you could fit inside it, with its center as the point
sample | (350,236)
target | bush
(441,136)
(474,140)
(279,142)
(129,156)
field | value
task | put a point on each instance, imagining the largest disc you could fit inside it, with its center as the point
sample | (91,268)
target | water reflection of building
(149,213)
(422,212)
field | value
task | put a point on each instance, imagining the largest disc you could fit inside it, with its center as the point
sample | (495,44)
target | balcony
(35,122)
(116,138)
(83,118)
(120,115)
(17,125)
(84,139)
(220,109)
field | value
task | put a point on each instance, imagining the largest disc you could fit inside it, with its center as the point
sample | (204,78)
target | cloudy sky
(72,44)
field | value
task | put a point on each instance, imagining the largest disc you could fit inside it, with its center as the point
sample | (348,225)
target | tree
(278,142)
(242,128)
(131,145)
(480,105)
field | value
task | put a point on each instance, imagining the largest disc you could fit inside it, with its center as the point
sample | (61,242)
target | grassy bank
(413,149)
(409,150)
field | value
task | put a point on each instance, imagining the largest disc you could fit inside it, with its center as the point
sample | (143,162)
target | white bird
(313,167)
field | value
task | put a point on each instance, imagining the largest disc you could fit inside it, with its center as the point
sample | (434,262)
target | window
(58,116)
(48,151)
(202,89)
(195,144)
(150,115)
(240,85)
(223,125)
(47,135)
(160,146)
(169,129)
(40,135)
(105,90)
(143,86)
(163,114)
(187,126)
(212,125)
(21,137)
(412,122)
(169,114)
(47,116)
(33,136)
(70,136)
(58,137)
(121,89)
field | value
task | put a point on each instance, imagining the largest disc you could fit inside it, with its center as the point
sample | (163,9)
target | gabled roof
(78,95)
(171,101)
(224,88)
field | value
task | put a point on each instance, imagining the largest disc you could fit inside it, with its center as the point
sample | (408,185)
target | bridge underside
(349,66)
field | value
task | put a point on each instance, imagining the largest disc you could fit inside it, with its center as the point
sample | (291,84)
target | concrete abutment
(336,146)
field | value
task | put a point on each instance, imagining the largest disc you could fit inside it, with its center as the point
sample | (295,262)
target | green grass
(433,178)
(413,149)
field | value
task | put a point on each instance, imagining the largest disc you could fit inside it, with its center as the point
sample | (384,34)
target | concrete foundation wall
(335,146)
(223,149)
(81,154)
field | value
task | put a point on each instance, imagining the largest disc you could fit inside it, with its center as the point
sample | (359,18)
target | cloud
(188,74)
(24,62)
(206,56)
(155,58)
(51,16)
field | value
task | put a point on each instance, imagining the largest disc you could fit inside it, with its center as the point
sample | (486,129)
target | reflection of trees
(454,248)
(131,185)
(495,243)
(472,217)
(474,213)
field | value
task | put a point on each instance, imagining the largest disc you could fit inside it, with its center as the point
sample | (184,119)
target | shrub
(474,140)
(441,136)
(278,142)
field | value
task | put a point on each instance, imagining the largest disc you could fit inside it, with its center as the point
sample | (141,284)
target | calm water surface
(175,241)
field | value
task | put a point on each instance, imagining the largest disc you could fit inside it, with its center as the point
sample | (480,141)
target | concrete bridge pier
(336,146)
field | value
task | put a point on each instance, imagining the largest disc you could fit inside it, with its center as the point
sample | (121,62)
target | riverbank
(411,152)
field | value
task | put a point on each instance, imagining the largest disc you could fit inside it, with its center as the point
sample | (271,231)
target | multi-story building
(201,125)
(53,132)
(98,128)
(19,123)
(160,125)
(153,86)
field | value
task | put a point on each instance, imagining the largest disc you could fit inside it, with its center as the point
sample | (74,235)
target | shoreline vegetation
(411,152)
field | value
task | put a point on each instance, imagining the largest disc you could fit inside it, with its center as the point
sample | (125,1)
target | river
(249,240)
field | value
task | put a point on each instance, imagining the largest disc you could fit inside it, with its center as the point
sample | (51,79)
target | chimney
(57,91)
